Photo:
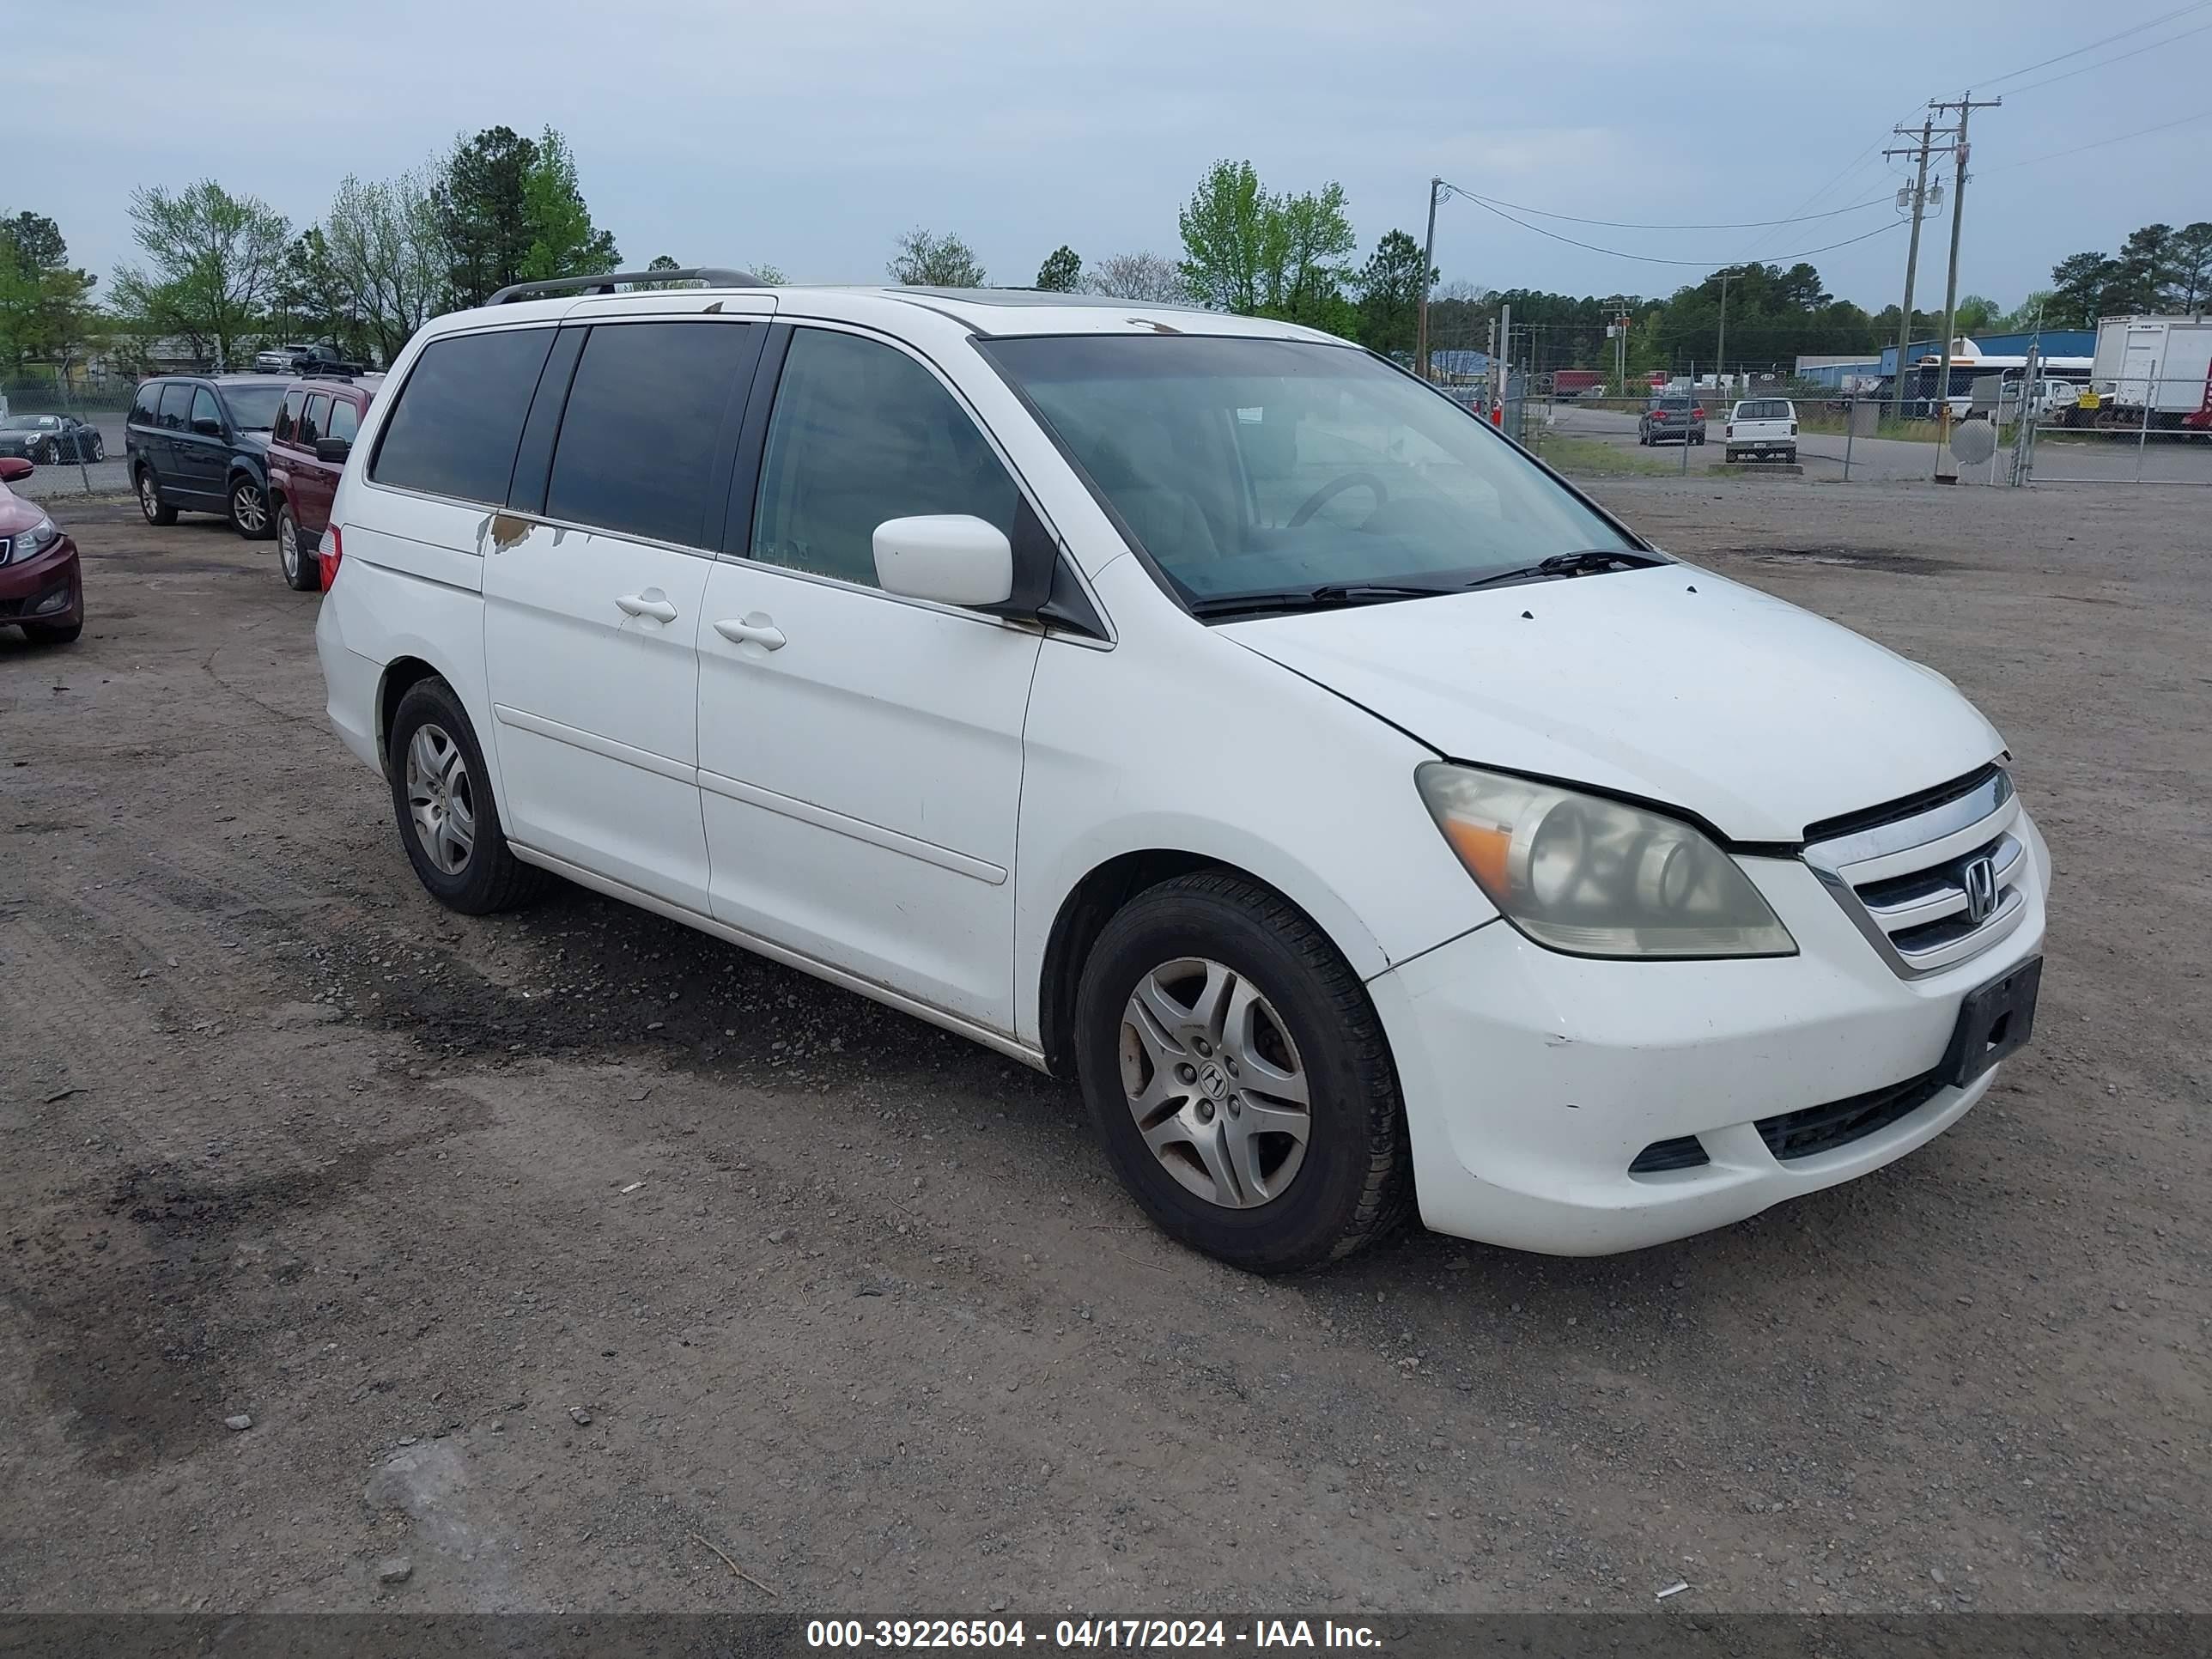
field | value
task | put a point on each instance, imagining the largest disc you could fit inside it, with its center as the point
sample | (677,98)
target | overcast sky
(810,133)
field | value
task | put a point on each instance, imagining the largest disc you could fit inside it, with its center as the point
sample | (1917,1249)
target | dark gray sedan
(49,439)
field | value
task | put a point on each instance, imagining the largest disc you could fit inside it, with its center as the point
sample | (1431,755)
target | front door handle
(652,603)
(754,630)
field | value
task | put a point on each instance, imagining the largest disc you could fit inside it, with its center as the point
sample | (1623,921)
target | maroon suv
(40,589)
(308,451)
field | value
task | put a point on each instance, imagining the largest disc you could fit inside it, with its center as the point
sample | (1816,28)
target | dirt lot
(557,1252)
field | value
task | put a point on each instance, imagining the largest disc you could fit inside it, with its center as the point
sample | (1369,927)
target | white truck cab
(1198,707)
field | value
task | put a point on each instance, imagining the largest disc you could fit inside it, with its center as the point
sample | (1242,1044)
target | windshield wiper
(1588,562)
(1327,595)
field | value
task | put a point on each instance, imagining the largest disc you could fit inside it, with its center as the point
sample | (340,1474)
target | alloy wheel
(439,798)
(1215,1083)
(250,508)
(287,544)
(149,497)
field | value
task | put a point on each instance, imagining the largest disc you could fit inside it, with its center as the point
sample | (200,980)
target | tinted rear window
(638,437)
(1765,409)
(176,405)
(142,406)
(459,416)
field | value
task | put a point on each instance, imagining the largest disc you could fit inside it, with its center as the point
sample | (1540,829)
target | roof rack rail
(711,276)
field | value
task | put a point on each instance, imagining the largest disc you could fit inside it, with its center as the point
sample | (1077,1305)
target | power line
(2116,138)
(1629,224)
(1650,260)
(2179,11)
(2117,56)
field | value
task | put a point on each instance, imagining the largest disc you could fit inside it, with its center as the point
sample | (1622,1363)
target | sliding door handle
(754,630)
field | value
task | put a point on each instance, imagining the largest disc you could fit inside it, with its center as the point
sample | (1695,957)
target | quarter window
(459,416)
(176,405)
(642,427)
(862,432)
(143,405)
(288,417)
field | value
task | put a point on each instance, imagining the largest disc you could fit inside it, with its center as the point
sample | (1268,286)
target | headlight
(30,542)
(1594,877)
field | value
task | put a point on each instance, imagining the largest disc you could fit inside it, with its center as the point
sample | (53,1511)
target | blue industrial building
(2052,342)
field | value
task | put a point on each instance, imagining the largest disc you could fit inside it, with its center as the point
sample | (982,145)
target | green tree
(215,259)
(563,242)
(1226,229)
(924,260)
(1976,313)
(2191,283)
(1061,271)
(481,200)
(2078,285)
(1390,286)
(310,301)
(1307,241)
(2143,270)
(46,307)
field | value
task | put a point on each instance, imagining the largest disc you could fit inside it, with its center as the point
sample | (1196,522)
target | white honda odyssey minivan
(1198,706)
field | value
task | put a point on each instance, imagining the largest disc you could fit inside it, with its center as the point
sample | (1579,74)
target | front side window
(207,416)
(344,420)
(459,417)
(1247,467)
(862,432)
(642,426)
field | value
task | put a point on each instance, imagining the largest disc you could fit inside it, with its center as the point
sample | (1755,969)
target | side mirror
(333,449)
(953,558)
(14,469)
(208,429)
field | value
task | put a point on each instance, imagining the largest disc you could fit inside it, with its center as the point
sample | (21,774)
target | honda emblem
(1981,875)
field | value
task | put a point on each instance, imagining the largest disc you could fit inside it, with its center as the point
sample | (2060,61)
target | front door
(203,451)
(861,755)
(592,597)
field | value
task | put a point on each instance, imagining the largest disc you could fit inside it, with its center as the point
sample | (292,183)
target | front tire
(303,572)
(1238,1077)
(249,510)
(442,795)
(53,633)
(157,511)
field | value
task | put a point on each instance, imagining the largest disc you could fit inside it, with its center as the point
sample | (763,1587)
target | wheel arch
(400,674)
(1093,901)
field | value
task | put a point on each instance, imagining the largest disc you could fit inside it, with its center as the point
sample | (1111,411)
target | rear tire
(448,821)
(249,510)
(303,571)
(1187,977)
(151,503)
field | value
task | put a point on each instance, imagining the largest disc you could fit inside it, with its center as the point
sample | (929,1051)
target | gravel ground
(360,1255)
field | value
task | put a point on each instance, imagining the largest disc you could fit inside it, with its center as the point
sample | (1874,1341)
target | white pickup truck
(1762,428)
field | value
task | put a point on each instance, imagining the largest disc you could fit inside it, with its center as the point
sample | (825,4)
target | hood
(16,513)
(1670,683)
(256,442)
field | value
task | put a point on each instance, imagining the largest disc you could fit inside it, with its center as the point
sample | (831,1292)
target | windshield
(27,423)
(254,407)
(1258,466)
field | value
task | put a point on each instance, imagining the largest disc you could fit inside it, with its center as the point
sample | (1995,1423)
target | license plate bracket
(1993,1020)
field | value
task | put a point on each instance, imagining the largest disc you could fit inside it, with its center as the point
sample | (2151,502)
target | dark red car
(308,451)
(41,591)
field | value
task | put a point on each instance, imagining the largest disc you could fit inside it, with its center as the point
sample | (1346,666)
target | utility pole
(1501,365)
(1912,258)
(1965,106)
(1720,344)
(1428,275)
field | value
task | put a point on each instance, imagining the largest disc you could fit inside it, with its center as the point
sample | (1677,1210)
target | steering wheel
(1335,486)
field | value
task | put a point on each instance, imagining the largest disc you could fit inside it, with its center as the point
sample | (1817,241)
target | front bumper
(29,589)
(1532,1080)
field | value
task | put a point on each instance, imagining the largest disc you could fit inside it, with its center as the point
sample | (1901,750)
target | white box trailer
(2161,365)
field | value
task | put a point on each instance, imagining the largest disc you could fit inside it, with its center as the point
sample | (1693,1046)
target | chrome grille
(1941,882)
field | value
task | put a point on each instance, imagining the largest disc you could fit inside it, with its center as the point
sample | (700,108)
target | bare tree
(1145,277)
(925,261)
(389,253)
